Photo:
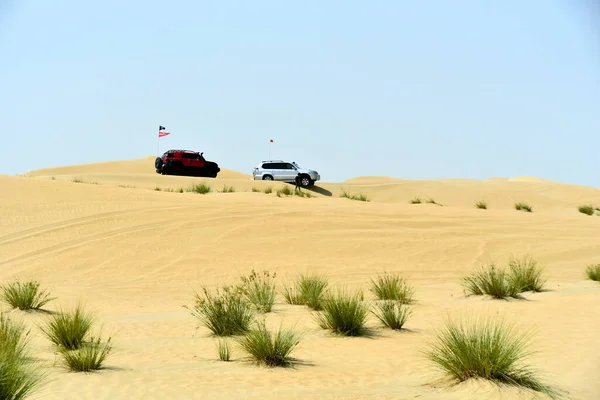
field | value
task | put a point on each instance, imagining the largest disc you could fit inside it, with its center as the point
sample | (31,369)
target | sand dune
(135,255)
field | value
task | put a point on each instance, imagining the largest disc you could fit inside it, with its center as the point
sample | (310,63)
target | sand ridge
(135,255)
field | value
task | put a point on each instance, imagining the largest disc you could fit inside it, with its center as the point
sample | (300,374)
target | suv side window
(269,166)
(288,166)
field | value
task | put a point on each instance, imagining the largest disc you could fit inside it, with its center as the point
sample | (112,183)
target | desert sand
(134,256)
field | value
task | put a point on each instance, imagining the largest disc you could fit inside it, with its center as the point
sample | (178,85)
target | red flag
(163,133)
(271,140)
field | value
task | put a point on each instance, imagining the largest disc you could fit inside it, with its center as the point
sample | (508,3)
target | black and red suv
(185,162)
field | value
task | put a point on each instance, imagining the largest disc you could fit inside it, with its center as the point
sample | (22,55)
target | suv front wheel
(305,181)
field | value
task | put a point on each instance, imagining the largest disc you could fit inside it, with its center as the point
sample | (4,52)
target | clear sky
(409,89)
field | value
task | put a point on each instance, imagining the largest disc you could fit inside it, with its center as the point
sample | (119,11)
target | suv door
(267,169)
(289,172)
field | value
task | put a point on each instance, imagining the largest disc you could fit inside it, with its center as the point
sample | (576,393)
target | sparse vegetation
(224,350)
(359,196)
(268,190)
(392,287)
(284,191)
(416,200)
(260,290)
(525,275)
(301,193)
(157,189)
(68,329)
(25,296)
(492,281)
(88,357)
(593,272)
(523,207)
(226,313)
(272,350)
(432,201)
(19,375)
(486,349)
(392,313)
(308,290)
(481,205)
(343,313)
(200,188)
(255,190)
(589,210)
(228,189)
(79,180)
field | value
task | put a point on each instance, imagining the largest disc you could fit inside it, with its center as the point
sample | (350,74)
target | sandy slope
(135,256)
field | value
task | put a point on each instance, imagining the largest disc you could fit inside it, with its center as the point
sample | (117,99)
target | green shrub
(343,314)
(525,275)
(88,357)
(68,330)
(485,349)
(481,205)
(492,281)
(264,347)
(589,210)
(200,188)
(225,313)
(523,207)
(392,313)
(593,272)
(224,350)
(260,290)
(19,375)
(392,287)
(309,290)
(25,296)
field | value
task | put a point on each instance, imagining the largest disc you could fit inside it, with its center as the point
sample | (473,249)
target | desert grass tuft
(200,188)
(224,350)
(68,329)
(416,200)
(308,290)
(284,191)
(525,275)
(225,313)
(301,193)
(268,190)
(593,272)
(228,189)
(343,313)
(481,205)
(270,349)
(358,197)
(19,375)
(432,201)
(255,190)
(492,281)
(392,287)
(523,207)
(260,290)
(25,296)
(486,349)
(88,357)
(589,210)
(392,313)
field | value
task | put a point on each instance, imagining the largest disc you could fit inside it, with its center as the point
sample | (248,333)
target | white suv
(283,171)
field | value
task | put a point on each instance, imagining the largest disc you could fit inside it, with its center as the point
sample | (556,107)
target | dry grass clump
(392,313)
(228,189)
(523,207)
(523,275)
(308,290)
(358,197)
(593,272)
(200,188)
(225,313)
(19,375)
(486,349)
(392,287)
(25,296)
(259,290)
(343,313)
(89,357)
(301,193)
(68,329)
(270,349)
(416,200)
(224,350)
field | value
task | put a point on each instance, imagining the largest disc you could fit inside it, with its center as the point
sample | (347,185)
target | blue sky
(410,89)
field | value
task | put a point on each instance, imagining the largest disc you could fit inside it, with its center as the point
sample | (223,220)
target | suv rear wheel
(267,178)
